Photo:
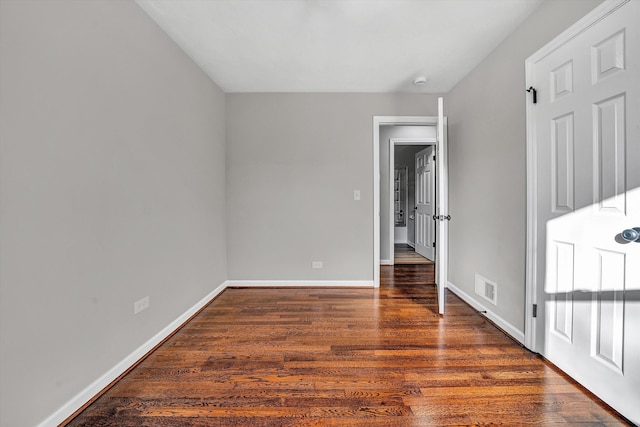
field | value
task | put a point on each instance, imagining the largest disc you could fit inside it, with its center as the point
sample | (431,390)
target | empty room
(319,212)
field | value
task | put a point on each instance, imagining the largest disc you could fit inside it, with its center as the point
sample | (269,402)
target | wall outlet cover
(486,289)
(141,304)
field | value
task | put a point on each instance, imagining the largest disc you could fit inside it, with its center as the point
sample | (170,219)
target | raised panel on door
(607,341)
(562,164)
(609,164)
(561,279)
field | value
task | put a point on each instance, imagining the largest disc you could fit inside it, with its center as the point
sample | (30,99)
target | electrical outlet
(141,304)
(316,264)
(356,194)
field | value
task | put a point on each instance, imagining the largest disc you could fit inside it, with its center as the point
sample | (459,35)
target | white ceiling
(338,45)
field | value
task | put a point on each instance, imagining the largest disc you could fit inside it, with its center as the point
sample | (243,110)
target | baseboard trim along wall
(385,262)
(98,385)
(300,283)
(507,327)
(93,389)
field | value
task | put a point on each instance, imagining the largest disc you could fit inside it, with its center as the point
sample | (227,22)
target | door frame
(531,279)
(424,141)
(378,122)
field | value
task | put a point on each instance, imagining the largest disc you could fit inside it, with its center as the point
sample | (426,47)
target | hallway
(405,254)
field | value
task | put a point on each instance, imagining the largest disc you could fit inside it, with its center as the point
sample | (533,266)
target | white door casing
(425,204)
(583,190)
(432,198)
(392,143)
(378,122)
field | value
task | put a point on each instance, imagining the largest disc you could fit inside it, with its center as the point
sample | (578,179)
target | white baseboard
(98,385)
(385,262)
(300,283)
(514,332)
(412,244)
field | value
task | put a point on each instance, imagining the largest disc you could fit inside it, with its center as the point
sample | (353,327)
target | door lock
(631,235)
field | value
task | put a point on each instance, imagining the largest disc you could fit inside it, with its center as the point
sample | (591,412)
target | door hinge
(535,310)
(434,244)
(434,157)
(534,93)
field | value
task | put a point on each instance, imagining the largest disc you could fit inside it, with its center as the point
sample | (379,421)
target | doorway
(442,217)
(439,123)
(412,199)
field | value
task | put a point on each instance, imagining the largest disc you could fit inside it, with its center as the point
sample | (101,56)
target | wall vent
(487,289)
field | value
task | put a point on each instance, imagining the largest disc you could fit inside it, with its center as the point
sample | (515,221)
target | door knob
(631,234)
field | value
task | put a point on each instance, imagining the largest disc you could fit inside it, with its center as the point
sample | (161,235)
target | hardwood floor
(343,357)
(405,254)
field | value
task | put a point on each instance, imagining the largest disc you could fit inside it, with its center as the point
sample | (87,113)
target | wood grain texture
(343,357)
(405,254)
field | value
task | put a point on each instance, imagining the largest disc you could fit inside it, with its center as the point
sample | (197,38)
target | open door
(425,203)
(442,218)
(584,215)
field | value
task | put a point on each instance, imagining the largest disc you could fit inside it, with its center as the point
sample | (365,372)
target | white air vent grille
(487,289)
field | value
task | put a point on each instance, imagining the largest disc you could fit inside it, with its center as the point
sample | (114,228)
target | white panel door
(442,225)
(425,204)
(587,154)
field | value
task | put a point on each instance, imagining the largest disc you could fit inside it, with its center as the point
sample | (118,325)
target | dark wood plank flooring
(405,254)
(343,357)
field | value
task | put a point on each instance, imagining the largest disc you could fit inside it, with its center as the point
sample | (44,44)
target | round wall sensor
(420,80)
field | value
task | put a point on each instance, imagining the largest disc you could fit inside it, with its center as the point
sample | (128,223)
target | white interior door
(587,154)
(425,204)
(442,225)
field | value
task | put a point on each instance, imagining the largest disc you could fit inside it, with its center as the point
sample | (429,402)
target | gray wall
(112,186)
(293,161)
(386,133)
(487,168)
(112,163)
